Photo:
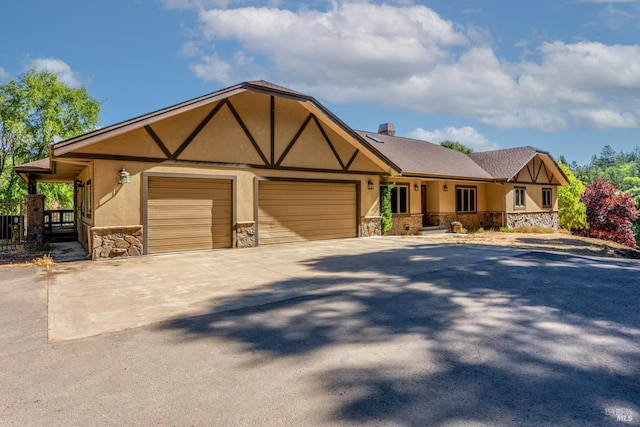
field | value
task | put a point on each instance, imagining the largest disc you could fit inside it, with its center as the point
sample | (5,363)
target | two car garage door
(197,213)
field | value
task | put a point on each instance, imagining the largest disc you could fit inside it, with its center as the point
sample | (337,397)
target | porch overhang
(47,170)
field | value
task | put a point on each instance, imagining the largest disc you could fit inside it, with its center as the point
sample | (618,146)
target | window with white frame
(546,197)
(465,199)
(519,195)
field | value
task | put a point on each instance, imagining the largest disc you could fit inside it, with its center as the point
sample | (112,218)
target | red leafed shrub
(610,213)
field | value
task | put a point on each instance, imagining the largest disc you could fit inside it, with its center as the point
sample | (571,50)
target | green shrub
(386,215)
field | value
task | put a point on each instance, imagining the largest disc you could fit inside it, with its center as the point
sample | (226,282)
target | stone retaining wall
(533,219)
(406,224)
(246,234)
(370,226)
(473,221)
(113,242)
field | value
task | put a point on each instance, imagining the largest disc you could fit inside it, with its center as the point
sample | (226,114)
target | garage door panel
(298,211)
(188,214)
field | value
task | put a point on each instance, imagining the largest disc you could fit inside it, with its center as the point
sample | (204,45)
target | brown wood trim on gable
(534,173)
(246,131)
(529,171)
(273,130)
(201,126)
(534,183)
(98,156)
(326,138)
(269,160)
(539,168)
(158,141)
(294,140)
(197,130)
(348,165)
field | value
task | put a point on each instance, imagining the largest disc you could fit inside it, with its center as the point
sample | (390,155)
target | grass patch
(530,229)
(44,261)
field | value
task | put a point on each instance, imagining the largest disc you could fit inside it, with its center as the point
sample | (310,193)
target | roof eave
(448,177)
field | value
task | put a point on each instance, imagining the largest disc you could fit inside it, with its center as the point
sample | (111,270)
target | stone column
(35,220)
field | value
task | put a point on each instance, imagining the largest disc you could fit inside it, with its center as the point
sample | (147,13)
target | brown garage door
(294,211)
(185,214)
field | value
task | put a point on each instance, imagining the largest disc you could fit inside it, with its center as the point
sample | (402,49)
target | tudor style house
(259,164)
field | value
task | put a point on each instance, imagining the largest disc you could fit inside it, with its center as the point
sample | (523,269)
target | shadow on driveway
(527,339)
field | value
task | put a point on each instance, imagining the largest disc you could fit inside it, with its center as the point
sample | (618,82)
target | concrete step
(437,229)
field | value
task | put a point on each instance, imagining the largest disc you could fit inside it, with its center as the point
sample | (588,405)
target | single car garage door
(291,211)
(185,214)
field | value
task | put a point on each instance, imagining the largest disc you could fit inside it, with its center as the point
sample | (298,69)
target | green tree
(457,146)
(572,214)
(33,109)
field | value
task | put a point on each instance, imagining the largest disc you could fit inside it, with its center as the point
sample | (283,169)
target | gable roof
(507,163)
(58,150)
(260,86)
(89,138)
(421,158)
(416,157)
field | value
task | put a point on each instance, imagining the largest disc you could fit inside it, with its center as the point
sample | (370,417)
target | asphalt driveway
(387,331)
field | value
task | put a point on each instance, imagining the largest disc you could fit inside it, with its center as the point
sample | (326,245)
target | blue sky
(561,75)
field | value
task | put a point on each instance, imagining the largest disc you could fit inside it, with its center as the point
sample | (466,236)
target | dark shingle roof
(273,87)
(36,165)
(418,157)
(505,164)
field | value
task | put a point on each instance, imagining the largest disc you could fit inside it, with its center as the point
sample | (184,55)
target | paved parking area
(387,331)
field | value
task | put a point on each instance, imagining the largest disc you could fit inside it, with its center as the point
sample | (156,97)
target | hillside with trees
(612,181)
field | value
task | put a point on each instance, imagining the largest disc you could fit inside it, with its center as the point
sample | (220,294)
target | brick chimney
(387,129)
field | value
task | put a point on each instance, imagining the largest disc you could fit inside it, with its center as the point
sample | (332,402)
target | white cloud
(467,136)
(59,68)
(213,68)
(392,44)
(409,57)
(4,74)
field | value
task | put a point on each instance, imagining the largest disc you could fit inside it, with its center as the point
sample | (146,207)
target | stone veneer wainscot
(370,226)
(246,234)
(533,219)
(114,242)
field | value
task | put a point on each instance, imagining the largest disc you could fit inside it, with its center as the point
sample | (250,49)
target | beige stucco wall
(533,199)
(121,204)
(490,196)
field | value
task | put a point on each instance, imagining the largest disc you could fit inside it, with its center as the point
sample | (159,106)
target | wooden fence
(12,226)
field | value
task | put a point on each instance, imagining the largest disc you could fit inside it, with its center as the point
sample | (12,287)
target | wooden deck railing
(58,220)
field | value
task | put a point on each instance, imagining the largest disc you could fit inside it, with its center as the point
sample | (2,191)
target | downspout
(504,206)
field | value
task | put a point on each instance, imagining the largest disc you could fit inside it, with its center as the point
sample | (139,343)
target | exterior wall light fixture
(124,177)
(415,187)
(370,185)
(446,188)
